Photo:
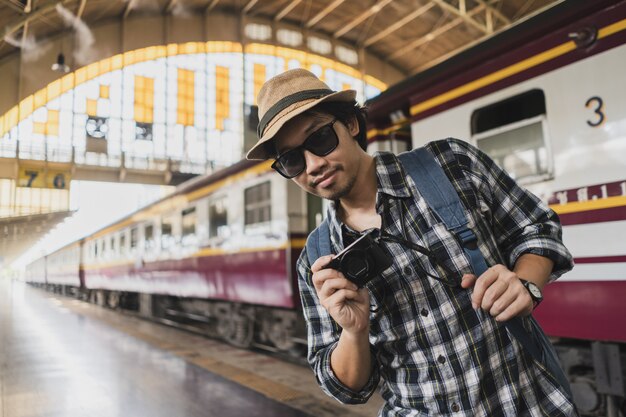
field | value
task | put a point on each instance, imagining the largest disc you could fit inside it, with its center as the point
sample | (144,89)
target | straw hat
(285,96)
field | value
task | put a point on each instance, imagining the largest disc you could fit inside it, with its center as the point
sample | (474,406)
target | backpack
(442,198)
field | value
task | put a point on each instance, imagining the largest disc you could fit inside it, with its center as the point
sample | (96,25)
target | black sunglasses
(320,143)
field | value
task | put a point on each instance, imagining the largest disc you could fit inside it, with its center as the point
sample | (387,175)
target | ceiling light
(60,64)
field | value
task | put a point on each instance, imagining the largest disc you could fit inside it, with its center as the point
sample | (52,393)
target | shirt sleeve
(323,335)
(522,223)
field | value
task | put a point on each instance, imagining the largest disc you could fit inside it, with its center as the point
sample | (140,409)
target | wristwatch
(534,291)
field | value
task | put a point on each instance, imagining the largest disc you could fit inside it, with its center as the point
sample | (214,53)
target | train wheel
(242,328)
(281,329)
(113,300)
(235,324)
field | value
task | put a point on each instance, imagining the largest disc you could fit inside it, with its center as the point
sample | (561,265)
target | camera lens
(354,264)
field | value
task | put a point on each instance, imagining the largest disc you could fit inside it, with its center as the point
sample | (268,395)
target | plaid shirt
(434,352)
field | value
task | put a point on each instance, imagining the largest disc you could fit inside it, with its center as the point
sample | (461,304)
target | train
(545,98)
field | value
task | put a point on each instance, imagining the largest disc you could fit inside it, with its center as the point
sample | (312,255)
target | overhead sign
(39,178)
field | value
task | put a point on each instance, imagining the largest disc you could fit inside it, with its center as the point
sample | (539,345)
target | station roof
(18,234)
(411,35)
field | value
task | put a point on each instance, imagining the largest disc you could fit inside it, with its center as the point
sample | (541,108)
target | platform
(63,358)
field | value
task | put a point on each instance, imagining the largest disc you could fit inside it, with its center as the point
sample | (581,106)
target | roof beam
(81,8)
(286,10)
(432,35)
(128,9)
(18,7)
(398,24)
(494,11)
(32,16)
(211,5)
(332,6)
(169,6)
(360,18)
(249,6)
(467,17)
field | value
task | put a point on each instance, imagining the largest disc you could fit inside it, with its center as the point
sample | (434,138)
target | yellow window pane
(41,97)
(52,129)
(81,75)
(92,107)
(53,116)
(105,65)
(117,61)
(54,89)
(149,116)
(149,84)
(11,118)
(149,99)
(139,82)
(139,113)
(39,128)
(104,91)
(93,70)
(26,107)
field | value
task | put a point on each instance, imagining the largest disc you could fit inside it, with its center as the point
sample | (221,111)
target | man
(440,348)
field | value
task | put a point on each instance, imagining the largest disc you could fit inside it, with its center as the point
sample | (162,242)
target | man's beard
(339,193)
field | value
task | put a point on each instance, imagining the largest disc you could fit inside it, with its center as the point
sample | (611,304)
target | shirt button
(424,312)
(407,270)
(441,359)
(455,407)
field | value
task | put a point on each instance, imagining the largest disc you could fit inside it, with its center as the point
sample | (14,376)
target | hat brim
(259,152)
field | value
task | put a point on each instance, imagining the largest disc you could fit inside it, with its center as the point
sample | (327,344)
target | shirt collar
(391,175)
(390,178)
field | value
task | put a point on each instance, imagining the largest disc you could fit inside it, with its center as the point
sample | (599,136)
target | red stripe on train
(610,214)
(600,259)
(590,310)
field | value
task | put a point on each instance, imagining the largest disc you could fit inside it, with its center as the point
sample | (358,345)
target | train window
(166,231)
(189,225)
(122,241)
(513,133)
(258,203)
(101,244)
(112,245)
(218,218)
(134,237)
(148,233)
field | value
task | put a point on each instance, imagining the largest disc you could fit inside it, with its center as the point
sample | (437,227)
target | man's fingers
(482,283)
(468,280)
(332,285)
(339,297)
(493,293)
(320,263)
(503,302)
(522,306)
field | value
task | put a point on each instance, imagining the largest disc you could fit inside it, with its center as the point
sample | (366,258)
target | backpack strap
(442,198)
(318,242)
(436,188)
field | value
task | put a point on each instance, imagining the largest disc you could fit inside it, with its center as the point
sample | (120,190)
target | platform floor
(63,358)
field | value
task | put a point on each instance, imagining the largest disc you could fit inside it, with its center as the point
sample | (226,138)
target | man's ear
(353,125)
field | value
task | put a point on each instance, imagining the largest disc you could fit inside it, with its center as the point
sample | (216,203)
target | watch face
(534,290)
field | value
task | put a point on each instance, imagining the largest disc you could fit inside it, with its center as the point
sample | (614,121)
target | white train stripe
(597,239)
(615,271)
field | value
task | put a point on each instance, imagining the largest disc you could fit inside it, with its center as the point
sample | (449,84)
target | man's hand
(347,305)
(500,292)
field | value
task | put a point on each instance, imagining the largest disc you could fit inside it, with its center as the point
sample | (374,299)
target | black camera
(362,260)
